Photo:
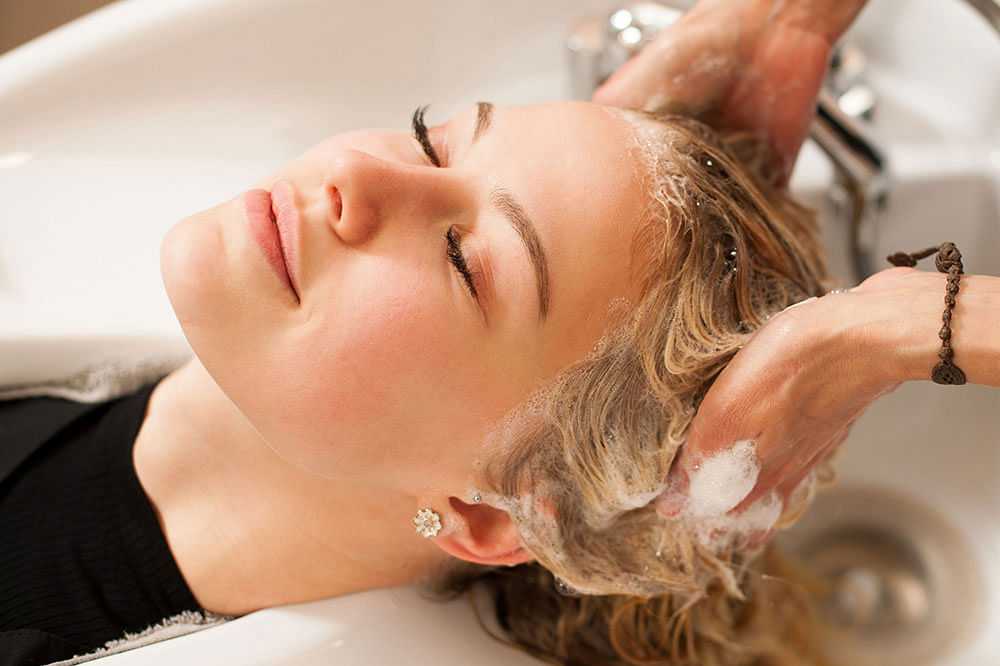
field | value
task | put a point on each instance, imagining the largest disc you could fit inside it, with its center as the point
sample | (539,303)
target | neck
(248,529)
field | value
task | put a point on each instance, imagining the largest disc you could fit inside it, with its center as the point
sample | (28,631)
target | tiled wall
(21,20)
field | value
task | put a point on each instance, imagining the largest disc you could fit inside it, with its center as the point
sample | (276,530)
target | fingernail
(671,502)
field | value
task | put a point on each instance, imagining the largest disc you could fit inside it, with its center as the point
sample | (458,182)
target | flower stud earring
(427,522)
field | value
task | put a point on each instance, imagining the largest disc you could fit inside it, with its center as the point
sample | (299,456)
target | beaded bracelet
(948,260)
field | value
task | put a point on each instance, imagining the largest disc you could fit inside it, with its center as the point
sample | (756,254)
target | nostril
(336,204)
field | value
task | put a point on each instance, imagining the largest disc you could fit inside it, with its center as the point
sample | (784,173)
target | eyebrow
(484,115)
(505,202)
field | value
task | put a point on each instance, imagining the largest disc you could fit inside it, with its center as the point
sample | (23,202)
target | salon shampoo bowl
(117,125)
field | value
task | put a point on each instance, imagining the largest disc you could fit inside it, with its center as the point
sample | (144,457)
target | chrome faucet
(600,45)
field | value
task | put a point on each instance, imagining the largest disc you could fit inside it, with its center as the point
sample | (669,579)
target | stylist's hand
(804,378)
(739,64)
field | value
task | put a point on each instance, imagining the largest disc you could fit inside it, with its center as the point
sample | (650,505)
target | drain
(898,583)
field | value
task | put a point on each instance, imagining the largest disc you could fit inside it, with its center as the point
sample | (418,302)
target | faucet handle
(847,82)
(635,24)
(599,45)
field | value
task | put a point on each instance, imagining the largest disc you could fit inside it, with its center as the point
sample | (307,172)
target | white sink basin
(934,445)
(117,125)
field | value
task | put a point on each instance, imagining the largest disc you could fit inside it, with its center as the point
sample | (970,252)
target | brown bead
(947,257)
(944,333)
(949,299)
(947,373)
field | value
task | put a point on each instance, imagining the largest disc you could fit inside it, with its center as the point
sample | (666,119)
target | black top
(82,556)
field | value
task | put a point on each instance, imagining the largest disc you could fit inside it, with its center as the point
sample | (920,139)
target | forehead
(576,170)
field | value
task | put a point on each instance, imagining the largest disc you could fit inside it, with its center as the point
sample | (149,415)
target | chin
(190,264)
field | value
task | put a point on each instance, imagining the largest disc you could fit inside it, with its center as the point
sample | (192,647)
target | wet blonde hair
(577,465)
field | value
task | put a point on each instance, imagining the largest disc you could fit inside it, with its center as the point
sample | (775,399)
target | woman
(441,282)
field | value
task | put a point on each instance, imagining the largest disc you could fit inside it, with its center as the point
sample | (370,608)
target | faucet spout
(862,170)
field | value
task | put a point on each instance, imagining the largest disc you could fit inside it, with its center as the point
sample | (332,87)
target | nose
(370,194)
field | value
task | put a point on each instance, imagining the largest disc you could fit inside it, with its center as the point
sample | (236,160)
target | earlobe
(483,534)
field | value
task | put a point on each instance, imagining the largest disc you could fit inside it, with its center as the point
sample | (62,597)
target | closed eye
(455,256)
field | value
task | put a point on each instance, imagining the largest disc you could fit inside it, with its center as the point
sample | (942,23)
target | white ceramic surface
(941,445)
(117,125)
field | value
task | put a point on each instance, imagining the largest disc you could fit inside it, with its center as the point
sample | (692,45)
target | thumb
(674,499)
(671,502)
(621,88)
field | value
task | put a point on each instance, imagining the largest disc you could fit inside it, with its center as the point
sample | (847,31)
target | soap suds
(716,486)
(719,483)
(735,531)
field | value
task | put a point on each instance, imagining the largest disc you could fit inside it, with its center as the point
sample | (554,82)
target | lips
(286,216)
(274,233)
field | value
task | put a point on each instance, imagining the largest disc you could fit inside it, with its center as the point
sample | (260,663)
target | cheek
(374,347)
(386,377)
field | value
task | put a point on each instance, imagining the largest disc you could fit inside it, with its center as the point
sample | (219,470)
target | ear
(483,534)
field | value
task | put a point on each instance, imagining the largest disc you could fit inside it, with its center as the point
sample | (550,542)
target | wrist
(904,329)
(899,321)
(885,331)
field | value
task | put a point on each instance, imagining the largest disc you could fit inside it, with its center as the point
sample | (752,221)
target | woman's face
(389,368)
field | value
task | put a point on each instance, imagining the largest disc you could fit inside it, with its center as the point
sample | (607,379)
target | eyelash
(458,261)
(420,132)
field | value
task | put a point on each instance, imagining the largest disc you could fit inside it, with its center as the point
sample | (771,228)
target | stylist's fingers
(739,467)
(754,384)
(778,94)
(629,86)
(794,491)
(796,481)
(644,82)
(792,481)
(725,418)
(785,468)
(681,71)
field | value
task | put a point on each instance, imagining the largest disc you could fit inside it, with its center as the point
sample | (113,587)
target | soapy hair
(718,249)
